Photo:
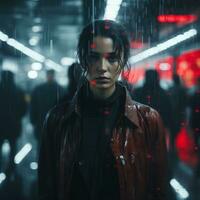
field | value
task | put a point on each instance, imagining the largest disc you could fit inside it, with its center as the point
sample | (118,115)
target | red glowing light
(188,68)
(93,45)
(136,44)
(185,146)
(93,82)
(178,19)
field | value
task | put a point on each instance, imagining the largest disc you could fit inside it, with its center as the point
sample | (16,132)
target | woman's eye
(112,60)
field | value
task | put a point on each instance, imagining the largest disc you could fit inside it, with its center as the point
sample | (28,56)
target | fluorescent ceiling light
(36,66)
(182,192)
(32,74)
(3,37)
(163,46)
(67,61)
(115,2)
(5,148)
(33,165)
(51,64)
(25,50)
(10,64)
(34,40)
(111,12)
(2,177)
(36,28)
(112,9)
(22,153)
(29,52)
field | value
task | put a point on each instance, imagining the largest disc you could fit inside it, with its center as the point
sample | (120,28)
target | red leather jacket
(138,147)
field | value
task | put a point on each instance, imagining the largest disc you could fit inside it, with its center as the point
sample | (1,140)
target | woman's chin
(103,85)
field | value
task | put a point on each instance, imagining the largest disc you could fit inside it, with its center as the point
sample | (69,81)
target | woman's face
(103,64)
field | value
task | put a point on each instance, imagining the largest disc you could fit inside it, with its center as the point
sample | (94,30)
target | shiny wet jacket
(137,143)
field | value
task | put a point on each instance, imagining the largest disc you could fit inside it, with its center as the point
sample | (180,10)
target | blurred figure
(43,98)
(194,125)
(194,128)
(153,95)
(12,109)
(74,75)
(178,97)
(194,104)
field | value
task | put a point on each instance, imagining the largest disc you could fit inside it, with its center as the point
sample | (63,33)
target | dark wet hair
(74,74)
(104,28)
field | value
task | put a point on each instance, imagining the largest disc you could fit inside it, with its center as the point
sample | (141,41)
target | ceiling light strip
(22,153)
(51,64)
(2,177)
(163,46)
(25,50)
(3,37)
(179,189)
(29,52)
(112,9)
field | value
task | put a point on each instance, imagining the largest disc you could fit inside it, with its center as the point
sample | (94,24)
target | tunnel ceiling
(60,21)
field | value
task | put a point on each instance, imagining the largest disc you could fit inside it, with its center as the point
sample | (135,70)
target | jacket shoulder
(148,113)
(151,121)
(145,109)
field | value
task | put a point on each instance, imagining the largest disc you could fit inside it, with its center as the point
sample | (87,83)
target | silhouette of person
(153,95)
(194,128)
(43,98)
(194,118)
(178,96)
(12,108)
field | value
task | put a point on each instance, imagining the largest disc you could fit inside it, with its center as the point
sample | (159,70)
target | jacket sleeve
(46,163)
(160,176)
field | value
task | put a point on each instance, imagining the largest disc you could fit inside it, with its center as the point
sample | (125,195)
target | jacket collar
(130,107)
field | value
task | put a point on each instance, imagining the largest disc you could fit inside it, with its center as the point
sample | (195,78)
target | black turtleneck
(95,158)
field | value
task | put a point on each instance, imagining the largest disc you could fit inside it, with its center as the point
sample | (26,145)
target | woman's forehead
(105,55)
(102,45)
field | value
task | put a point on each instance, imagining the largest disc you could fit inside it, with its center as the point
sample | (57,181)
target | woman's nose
(102,65)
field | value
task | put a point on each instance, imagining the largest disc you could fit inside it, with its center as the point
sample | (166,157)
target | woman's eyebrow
(111,54)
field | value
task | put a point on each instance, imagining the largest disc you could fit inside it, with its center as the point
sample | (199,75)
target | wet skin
(103,67)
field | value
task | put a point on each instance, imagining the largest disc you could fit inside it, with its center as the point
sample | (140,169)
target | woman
(102,145)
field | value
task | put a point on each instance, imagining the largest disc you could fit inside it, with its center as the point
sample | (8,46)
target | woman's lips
(102,79)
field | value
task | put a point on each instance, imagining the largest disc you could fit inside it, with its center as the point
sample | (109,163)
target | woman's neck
(102,93)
